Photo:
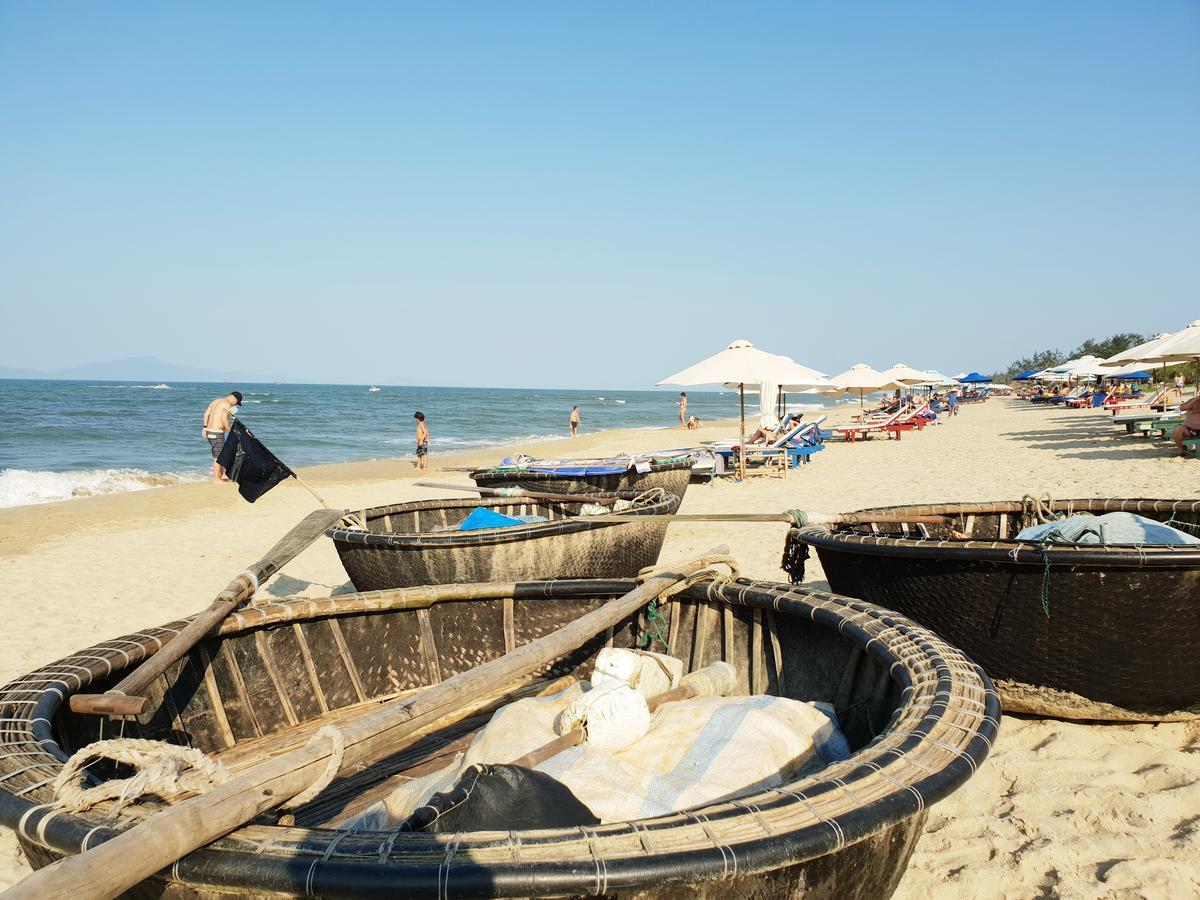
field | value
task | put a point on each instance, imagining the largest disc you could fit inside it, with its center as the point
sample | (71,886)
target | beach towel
(1111,528)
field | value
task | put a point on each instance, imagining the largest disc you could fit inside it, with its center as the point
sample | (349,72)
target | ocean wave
(23,487)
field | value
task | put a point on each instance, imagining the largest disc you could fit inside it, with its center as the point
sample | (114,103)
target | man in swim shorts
(1191,423)
(422,441)
(216,423)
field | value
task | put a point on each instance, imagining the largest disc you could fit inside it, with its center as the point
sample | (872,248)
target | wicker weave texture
(405,545)
(1076,632)
(671,477)
(921,716)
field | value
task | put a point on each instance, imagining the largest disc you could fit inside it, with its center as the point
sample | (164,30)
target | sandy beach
(1059,809)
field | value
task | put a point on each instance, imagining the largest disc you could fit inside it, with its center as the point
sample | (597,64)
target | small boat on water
(1077,631)
(415,543)
(918,717)
(373,388)
(670,471)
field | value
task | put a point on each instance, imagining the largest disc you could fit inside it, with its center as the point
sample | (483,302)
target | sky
(580,195)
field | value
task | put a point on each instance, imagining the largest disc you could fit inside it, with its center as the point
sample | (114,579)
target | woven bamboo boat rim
(1011,550)
(943,728)
(668,464)
(506,535)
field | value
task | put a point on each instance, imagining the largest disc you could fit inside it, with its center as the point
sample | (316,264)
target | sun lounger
(852,433)
(790,452)
(1157,398)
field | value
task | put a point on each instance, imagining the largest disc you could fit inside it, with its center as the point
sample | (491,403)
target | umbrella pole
(742,442)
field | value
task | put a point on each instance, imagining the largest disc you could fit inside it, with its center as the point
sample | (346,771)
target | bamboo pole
(809,518)
(521,493)
(137,853)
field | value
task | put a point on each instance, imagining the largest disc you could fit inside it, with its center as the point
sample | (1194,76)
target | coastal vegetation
(1104,348)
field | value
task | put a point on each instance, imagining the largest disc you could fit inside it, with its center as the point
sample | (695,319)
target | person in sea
(683,408)
(422,462)
(1191,423)
(574,421)
(216,423)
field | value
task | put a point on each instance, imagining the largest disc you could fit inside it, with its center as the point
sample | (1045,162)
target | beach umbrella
(739,365)
(974,378)
(1084,366)
(1135,354)
(902,373)
(1182,346)
(861,379)
(941,380)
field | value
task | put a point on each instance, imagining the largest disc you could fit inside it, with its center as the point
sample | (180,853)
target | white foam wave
(23,487)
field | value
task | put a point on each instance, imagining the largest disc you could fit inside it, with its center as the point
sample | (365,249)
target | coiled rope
(166,771)
(162,769)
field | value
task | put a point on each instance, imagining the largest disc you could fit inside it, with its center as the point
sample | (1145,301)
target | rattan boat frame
(1081,632)
(672,476)
(402,549)
(846,830)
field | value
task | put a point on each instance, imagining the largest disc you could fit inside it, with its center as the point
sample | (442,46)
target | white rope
(162,769)
(337,751)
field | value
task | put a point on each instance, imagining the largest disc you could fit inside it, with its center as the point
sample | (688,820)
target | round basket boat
(918,715)
(583,476)
(416,543)
(1071,631)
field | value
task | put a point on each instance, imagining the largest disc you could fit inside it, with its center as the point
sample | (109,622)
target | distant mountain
(141,368)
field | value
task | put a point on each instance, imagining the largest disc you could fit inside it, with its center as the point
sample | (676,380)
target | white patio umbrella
(905,374)
(739,365)
(1135,354)
(940,380)
(861,379)
(1084,366)
(1182,346)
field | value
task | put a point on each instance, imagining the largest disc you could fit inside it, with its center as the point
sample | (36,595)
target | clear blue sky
(592,194)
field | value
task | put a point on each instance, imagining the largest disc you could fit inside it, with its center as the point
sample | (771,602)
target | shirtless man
(422,442)
(216,423)
(1191,422)
(574,421)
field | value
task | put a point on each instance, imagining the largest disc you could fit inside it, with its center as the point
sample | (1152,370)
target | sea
(67,439)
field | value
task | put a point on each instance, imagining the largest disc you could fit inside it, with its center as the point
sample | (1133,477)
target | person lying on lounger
(1191,423)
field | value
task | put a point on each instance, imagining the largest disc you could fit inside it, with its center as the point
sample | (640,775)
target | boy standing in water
(574,421)
(422,441)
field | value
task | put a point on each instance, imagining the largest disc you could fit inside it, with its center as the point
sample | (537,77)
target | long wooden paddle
(521,493)
(125,698)
(132,856)
(809,518)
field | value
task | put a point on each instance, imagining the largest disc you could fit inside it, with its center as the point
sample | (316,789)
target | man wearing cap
(216,423)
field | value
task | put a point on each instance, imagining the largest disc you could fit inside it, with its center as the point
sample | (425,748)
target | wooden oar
(134,855)
(125,699)
(522,493)
(809,518)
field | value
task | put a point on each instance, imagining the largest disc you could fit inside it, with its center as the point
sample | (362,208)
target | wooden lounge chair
(727,449)
(1143,402)
(790,452)
(852,433)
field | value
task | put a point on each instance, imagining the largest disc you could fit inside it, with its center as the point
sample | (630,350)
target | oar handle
(125,699)
(523,493)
